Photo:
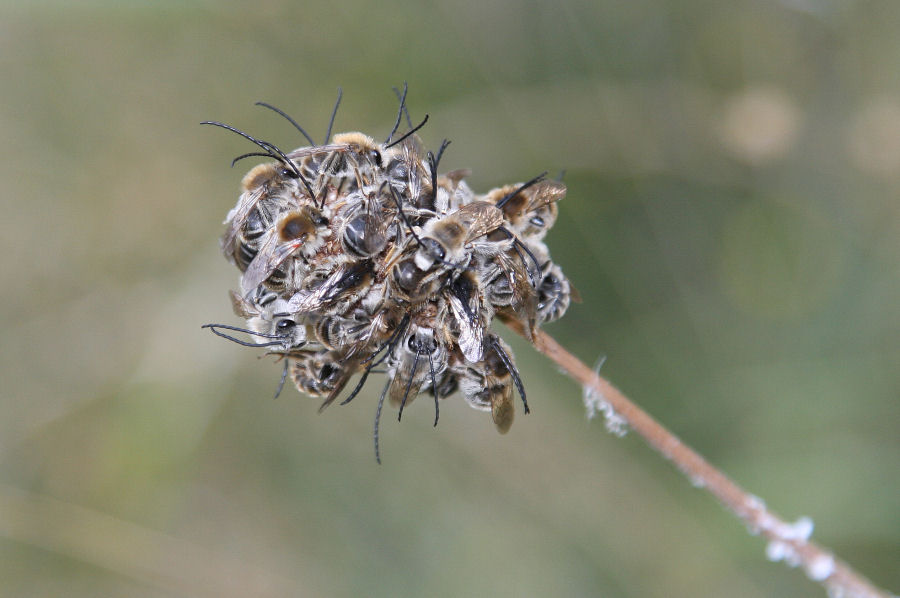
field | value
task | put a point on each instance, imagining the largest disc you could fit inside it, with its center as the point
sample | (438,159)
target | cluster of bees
(358,257)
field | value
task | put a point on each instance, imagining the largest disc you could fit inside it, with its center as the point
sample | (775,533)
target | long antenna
(290,120)
(333,115)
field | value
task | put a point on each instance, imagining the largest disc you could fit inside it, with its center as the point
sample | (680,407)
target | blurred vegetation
(732,224)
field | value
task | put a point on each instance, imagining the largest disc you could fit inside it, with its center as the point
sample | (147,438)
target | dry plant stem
(821,566)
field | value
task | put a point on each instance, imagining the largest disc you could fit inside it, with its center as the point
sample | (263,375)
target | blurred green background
(732,224)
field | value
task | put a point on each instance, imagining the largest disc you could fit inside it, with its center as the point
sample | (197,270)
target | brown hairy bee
(529,208)
(358,257)
(441,248)
(296,231)
(488,384)
(445,239)
(259,204)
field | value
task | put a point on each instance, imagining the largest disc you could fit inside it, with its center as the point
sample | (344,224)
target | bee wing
(242,308)
(503,408)
(411,380)
(479,218)
(455,176)
(545,193)
(414,146)
(524,295)
(271,255)
(376,226)
(239,214)
(318,149)
(412,152)
(573,292)
(523,305)
(312,301)
(340,281)
(465,303)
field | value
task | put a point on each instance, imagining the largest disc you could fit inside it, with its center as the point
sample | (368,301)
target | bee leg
(408,385)
(359,385)
(519,246)
(378,419)
(434,390)
(389,345)
(534,280)
(284,374)
(511,367)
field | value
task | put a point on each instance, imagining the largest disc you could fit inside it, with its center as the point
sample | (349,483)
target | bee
(407,174)
(341,164)
(488,384)
(303,230)
(409,283)
(471,314)
(319,372)
(446,239)
(336,291)
(442,247)
(291,330)
(554,294)
(266,319)
(350,159)
(267,190)
(367,223)
(271,187)
(415,364)
(509,290)
(529,208)
(272,320)
(358,328)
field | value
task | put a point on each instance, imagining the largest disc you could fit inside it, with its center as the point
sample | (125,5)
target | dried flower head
(356,255)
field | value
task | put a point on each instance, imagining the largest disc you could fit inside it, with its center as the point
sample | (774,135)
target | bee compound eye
(434,248)
(537,221)
(326,371)
(293,229)
(376,156)
(285,325)
(550,282)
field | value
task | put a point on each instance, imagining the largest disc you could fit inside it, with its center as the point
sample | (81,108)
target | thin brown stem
(787,541)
